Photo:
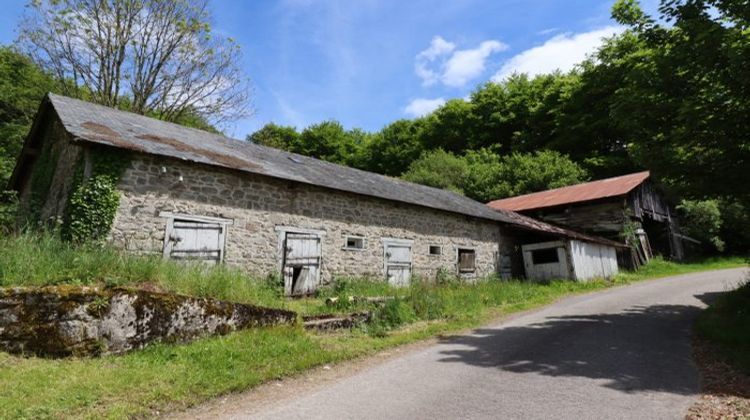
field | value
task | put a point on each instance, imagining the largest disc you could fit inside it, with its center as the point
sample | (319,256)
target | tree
(149,56)
(524,173)
(330,141)
(448,127)
(392,149)
(277,136)
(484,175)
(22,87)
(702,220)
(439,169)
(684,94)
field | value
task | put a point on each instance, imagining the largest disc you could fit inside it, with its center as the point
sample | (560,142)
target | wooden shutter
(466,260)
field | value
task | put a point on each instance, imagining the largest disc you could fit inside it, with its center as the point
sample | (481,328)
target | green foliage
(329,141)
(8,211)
(22,86)
(726,323)
(92,209)
(681,99)
(735,226)
(392,149)
(393,314)
(280,137)
(41,181)
(519,173)
(702,221)
(93,204)
(167,377)
(439,169)
(485,176)
(39,259)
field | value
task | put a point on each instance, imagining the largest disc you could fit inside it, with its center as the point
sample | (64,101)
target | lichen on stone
(60,321)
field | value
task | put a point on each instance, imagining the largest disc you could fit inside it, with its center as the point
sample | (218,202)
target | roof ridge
(581,184)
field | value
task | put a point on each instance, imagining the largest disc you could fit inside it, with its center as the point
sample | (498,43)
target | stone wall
(61,321)
(257,205)
(65,155)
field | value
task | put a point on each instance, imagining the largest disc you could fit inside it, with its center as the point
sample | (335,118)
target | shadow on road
(644,348)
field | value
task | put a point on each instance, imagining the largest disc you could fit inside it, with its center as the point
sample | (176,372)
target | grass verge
(726,324)
(166,377)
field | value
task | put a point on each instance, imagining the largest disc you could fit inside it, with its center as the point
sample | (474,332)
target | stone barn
(628,205)
(188,194)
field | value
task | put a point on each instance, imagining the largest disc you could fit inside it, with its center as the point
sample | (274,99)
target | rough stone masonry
(60,321)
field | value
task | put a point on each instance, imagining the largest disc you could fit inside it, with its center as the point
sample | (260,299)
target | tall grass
(726,323)
(40,259)
(163,376)
(658,267)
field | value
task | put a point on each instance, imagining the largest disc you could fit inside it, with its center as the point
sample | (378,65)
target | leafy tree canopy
(485,176)
(22,87)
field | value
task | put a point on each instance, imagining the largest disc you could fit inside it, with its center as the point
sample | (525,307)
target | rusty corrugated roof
(93,123)
(610,187)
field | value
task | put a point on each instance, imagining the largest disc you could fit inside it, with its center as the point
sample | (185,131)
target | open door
(301,267)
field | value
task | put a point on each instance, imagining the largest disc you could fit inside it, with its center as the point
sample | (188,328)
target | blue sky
(366,63)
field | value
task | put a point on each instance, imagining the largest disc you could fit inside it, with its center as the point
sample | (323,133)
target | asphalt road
(621,353)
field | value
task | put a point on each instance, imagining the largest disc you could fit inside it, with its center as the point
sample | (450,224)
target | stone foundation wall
(258,205)
(61,321)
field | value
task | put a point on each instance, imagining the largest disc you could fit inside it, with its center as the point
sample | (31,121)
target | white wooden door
(192,240)
(301,263)
(398,263)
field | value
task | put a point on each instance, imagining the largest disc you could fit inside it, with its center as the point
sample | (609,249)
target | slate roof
(604,188)
(93,123)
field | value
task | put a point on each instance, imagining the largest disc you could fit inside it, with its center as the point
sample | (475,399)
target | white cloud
(466,65)
(438,48)
(561,52)
(422,106)
(442,62)
(547,31)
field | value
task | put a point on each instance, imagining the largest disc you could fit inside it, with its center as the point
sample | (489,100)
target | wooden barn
(626,207)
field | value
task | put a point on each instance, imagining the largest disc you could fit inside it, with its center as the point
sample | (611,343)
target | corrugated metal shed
(610,187)
(87,122)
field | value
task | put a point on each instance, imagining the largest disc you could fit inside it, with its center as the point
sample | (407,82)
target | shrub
(702,221)
(390,315)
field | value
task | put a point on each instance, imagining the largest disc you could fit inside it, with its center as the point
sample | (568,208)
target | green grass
(726,323)
(42,259)
(658,267)
(167,377)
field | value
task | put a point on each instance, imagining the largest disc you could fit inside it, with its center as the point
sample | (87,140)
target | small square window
(466,260)
(355,242)
(436,250)
(544,256)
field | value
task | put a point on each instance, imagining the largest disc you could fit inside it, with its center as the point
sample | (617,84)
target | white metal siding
(593,260)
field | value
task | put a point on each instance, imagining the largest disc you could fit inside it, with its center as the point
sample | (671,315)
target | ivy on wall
(94,200)
(41,181)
